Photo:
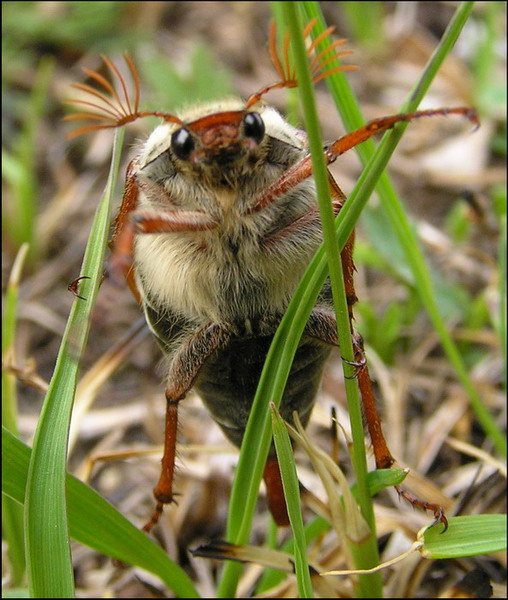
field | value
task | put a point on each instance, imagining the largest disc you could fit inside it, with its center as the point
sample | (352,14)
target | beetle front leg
(185,367)
(152,222)
(131,220)
(303,169)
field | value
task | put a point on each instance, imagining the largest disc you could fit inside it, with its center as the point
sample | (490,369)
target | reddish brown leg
(152,222)
(185,367)
(187,362)
(384,459)
(129,202)
(303,169)
(120,263)
(163,491)
(439,515)
(275,492)
(131,222)
(322,326)
(382,454)
(73,286)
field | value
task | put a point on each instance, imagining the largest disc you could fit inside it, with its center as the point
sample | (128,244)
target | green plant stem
(351,115)
(49,561)
(12,513)
(290,482)
(366,554)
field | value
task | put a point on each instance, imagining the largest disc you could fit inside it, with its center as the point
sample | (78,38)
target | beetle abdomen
(228,381)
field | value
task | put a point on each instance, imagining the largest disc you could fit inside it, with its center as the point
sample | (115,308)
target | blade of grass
(19,218)
(95,523)
(351,115)
(365,21)
(469,535)
(9,403)
(366,554)
(12,514)
(291,493)
(499,199)
(377,480)
(48,553)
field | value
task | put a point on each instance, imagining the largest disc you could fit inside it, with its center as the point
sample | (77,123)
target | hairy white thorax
(233,271)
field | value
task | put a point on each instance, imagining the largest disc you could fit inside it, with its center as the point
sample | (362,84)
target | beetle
(218,222)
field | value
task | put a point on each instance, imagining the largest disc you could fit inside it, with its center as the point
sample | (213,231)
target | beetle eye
(182,143)
(254,126)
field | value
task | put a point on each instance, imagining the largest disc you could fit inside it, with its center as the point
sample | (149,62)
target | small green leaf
(382,478)
(94,522)
(466,536)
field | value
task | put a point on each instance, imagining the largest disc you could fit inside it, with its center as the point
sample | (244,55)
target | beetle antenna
(111,108)
(317,61)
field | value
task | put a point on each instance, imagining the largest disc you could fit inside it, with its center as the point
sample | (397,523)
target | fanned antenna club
(111,108)
(108,108)
(317,62)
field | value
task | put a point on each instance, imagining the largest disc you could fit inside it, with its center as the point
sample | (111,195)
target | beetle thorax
(223,275)
(219,165)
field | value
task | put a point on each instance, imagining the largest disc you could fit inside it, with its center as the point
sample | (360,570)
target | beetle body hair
(241,269)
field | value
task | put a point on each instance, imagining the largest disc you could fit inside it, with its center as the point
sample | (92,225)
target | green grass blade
(21,171)
(499,197)
(377,481)
(48,553)
(469,535)
(351,116)
(96,523)
(12,515)
(367,555)
(291,493)
(9,319)
(364,20)
(12,528)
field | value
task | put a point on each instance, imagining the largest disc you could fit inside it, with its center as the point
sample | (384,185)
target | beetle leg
(322,325)
(303,169)
(73,286)
(275,492)
(184,369)
(131,221)
(152,222)
(439,515)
